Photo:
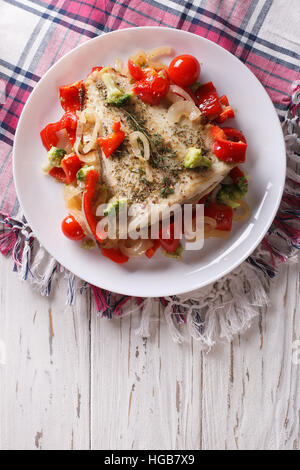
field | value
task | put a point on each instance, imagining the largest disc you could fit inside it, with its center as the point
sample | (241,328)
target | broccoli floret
(115,206)
(55,156)
(82,173)
(242,184)
(195,159)
(115,96)
(230,194)
(175,254)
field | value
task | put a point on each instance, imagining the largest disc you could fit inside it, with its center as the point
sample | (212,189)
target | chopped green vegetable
(83,172)
(55,156)
(175,254)
(230,194)
(115,206)
(115,96)
(195,159)
(242,184)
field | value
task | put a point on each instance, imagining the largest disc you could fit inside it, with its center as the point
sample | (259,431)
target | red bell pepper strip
(111,142)
(153,87)
(232,148)
(68,122)
(48,135)
(58,174)
(69,96)
(135,71)
(208,101)
(115,255)
(227,113)
(91,187)
(224,100)
(169,244)
(69,167)
(217,133)
(151,251)
(96,68)
(221,214)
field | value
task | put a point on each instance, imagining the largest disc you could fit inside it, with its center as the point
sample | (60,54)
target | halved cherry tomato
(115,255)
(135,70)
(221,214)
(72,229)
(184,70)
(208,101)
(153,87)
(169,244)
(111,142)
(151,251)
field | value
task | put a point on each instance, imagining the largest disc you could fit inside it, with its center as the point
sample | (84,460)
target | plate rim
(223,272)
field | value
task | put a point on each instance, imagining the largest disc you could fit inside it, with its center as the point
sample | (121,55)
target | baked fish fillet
(163,180)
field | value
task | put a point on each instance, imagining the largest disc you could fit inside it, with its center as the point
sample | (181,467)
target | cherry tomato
(72,229)
(184,70)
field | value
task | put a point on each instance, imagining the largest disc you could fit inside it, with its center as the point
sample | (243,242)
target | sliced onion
(134,248)
(79,132)
(77,214)
(217,234)
(182,108)
(241,213)
(64,141)
(118,65)
(158,51)
(177,90)
(157,65)
(93,140)
(139,58)
(133,139)
(197,232)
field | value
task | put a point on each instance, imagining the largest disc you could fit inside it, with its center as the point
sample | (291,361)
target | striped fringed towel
(255,31)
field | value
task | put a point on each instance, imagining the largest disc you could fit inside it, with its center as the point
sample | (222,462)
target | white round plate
(41,197)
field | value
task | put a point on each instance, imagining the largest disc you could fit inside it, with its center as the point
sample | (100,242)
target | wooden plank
(251,388)
(145,392)
(44,383)
(155,394)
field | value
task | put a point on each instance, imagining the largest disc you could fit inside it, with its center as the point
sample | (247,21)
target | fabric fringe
(214,313)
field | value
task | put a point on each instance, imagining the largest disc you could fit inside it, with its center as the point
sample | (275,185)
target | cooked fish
(163,179)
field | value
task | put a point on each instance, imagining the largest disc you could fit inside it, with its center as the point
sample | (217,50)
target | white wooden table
(72,381)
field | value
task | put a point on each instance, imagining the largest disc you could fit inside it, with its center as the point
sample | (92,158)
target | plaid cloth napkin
(264,34)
